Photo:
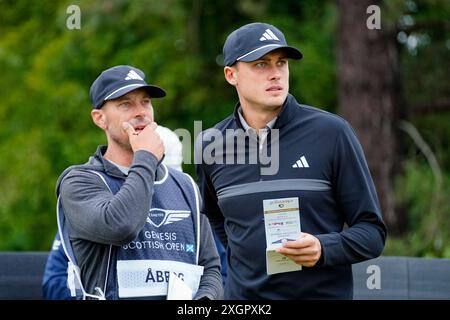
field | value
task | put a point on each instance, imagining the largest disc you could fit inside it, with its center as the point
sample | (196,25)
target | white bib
(144,278)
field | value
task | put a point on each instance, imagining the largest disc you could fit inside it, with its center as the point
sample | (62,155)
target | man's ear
(230,75)
(98,116)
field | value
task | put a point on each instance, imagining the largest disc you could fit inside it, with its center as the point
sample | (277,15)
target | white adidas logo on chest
(301,163)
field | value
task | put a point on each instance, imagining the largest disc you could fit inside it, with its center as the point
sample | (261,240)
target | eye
(124,104)
(281,62)
(261,64)
(146,103)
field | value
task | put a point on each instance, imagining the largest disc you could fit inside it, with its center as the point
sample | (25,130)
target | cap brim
(153,91)
(292,53)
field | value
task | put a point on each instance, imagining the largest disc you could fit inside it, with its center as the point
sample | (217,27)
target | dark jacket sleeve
(211,282)
(357,199)
(223,257)
(54,284)
(210,207)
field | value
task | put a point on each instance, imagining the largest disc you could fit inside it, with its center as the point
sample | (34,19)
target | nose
(143,110)
(275,73)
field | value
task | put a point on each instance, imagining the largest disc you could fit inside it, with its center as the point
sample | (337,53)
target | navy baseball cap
(252,41)
(118,81)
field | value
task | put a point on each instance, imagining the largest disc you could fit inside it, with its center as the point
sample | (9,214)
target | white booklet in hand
(177,289)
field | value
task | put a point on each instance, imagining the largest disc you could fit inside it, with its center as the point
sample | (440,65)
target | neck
(258,118)
(118,155)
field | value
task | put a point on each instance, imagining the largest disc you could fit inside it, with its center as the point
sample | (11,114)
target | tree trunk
(368,79)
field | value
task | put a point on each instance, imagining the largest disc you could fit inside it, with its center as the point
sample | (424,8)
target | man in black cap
(129,225)
(284,228)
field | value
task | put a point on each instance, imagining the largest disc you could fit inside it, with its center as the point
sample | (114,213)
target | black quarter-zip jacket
(321,162)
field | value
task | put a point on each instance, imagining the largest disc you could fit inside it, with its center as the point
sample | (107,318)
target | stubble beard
(122,142)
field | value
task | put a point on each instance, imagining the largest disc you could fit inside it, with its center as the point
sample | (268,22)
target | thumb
(128,128)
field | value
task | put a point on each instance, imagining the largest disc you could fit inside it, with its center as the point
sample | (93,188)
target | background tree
(368,66)
(371,97)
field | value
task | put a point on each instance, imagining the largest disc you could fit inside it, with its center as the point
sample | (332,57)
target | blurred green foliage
(47,70)
(428,213)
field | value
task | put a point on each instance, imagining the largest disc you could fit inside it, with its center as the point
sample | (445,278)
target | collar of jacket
(109,168)
(112,170)
(285,115)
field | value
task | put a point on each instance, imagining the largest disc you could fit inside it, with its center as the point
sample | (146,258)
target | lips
(139,123)
(139,128)
(274,88)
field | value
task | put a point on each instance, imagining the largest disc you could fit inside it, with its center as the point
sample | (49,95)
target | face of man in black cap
(135,107)
(263,84)
(256,64)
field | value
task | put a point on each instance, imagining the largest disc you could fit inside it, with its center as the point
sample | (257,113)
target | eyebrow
(126,97)
(122,98)
(267,59)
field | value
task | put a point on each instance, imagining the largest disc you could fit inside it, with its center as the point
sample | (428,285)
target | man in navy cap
(284,228)
(129,225)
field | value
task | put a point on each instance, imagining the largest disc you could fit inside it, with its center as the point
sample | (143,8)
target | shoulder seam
(334,115)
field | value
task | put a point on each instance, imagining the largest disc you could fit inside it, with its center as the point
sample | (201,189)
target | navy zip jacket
(322,164)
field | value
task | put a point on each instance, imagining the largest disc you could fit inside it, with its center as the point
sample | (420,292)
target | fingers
(304,240)
(306,250)
(128,128)
(153,125)
(307,261)
(146,139)
(295,251)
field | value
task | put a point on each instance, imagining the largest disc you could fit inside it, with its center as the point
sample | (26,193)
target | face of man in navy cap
(263,84)
(134,108)
(122,107)
(256,64)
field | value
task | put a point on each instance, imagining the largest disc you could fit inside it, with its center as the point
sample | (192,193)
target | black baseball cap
(252,41)
(118,81)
